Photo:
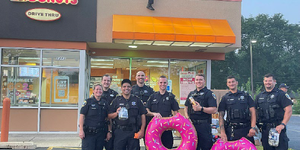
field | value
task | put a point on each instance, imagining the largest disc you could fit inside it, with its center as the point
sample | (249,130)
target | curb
(17,145)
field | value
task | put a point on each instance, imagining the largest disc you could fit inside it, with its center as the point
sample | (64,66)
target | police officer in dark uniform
(274,109)
(140,89)
(128,130)
(200,112)
(161,104)
(241,118)
(93,127)
(283,87)
(108,95)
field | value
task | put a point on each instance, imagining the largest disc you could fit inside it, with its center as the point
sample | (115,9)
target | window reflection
(21,57)
(61,58)
(21,85)
(117,68)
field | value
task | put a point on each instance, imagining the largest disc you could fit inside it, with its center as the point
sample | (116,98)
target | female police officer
(93,127)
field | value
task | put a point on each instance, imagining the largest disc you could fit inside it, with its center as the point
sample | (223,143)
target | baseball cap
(283,85)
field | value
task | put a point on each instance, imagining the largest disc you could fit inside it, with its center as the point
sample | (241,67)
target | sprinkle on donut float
(158,125)
(241,144)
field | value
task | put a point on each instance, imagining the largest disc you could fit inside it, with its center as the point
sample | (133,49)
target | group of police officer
(272,109)
(101,125)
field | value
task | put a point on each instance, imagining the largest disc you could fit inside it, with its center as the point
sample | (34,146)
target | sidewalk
(59,140)
(47,140)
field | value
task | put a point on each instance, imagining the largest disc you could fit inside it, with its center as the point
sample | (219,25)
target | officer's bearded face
(232,84)
(126,88)
(140,77)
(200,82)
(105,82)
(269,83)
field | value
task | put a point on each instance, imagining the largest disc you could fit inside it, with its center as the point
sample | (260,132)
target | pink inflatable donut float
(241,144)
(158,125)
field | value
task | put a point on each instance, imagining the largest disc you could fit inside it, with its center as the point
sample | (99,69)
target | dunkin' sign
(72,2)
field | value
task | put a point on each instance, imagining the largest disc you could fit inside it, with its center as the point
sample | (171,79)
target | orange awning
(172,31)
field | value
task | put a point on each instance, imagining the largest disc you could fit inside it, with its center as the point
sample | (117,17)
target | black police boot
(149,6)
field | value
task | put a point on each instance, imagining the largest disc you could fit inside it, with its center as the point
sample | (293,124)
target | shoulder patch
(214,95)
(288,96)
(250,96)
(84,103)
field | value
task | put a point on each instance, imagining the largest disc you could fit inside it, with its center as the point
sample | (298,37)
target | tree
(277,51)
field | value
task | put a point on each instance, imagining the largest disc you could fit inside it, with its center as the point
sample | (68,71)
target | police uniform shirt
(134,106)
(109,95)
(239,98)
(142,92)
(163,104)
(275,96)
(95,112)
(206,98)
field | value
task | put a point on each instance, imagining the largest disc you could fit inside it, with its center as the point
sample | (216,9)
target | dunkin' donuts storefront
(53,51)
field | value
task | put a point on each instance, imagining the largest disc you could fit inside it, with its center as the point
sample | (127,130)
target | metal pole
(251,63)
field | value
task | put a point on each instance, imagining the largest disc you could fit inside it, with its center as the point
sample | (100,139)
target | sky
(289,8)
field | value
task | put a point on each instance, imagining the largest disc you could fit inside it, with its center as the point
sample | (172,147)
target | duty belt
(239,125)
(125,128)
(93,129)
(267,125)
(199,121)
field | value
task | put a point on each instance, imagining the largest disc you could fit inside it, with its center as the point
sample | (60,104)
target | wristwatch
(254,128)
(110,132)
(202,108)
(283,125)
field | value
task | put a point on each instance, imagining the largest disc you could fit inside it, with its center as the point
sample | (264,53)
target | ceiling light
(102,67)
(162,43)
(123,41)
(181,44)
(139,42)
(94,59)
(132,46)
(28,58)
(161,62)
(102,64)
(196,44)
(219,45)
(165,66)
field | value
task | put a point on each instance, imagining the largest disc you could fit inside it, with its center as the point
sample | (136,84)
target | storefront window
(183,77)
(20,57)
(59,87)
(21,85)
(153,70)
(117,68)
(62,58)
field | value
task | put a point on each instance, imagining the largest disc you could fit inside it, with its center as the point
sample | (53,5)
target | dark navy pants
(124,140)
(238,134)
(204,136)
(94,141)
(283,140)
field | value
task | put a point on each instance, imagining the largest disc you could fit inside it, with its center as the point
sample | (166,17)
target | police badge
(272,96)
